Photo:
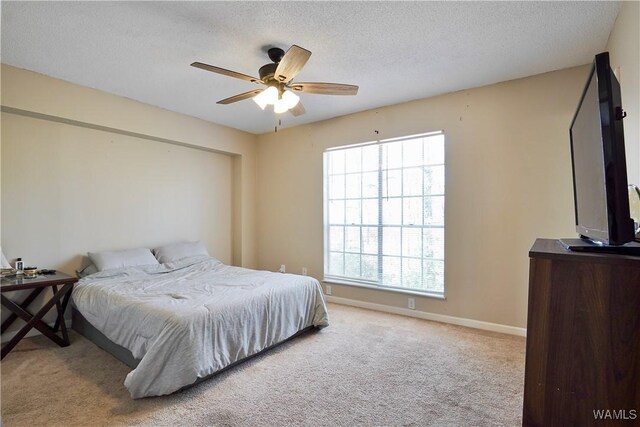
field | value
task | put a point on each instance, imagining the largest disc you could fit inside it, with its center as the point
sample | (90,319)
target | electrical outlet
(283,268)
(412,303)
(328,291)
(304,271)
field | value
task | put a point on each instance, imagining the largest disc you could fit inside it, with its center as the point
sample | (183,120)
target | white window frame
(378,284)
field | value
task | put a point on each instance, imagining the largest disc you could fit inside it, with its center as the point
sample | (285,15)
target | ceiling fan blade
(298,110)
(240,97)
(291,63)
(225,72)
(325,88)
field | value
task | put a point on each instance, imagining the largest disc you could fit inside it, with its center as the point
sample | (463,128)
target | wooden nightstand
(61,285)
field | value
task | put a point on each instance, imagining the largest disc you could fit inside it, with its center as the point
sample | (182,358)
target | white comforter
(189,319)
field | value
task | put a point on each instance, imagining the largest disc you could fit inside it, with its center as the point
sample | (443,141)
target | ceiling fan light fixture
(290,98)
(279,107)
(266,97)
(286,102)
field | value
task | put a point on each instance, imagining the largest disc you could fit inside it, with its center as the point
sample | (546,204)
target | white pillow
(90,268)
(179,250)
(108,260)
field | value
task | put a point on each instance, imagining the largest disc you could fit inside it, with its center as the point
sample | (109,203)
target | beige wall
(68,190)
(508,181)
(624,50)
(100,114)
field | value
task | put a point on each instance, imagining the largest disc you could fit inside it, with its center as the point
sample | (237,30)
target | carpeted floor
(366,368)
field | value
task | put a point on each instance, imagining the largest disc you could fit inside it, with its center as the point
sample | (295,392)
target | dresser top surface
(553,249)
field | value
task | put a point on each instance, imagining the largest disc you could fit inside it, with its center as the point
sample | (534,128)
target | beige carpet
(366,368)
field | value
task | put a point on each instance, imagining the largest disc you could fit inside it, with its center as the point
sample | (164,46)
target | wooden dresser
(583,338)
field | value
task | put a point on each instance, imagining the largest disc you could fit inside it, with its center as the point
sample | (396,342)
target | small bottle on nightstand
(19,264)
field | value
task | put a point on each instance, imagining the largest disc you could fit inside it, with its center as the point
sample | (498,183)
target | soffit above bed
(395,52)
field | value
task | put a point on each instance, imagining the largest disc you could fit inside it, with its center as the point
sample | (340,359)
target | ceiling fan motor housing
(275,54)
(267,71)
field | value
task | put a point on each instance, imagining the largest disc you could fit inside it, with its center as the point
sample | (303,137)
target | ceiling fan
(278,77)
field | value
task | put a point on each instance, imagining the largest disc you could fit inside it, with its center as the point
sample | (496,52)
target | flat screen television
(601,200)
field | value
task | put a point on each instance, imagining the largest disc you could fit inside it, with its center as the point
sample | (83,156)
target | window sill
(385,288)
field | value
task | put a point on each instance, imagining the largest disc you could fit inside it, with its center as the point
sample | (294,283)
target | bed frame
(87,330)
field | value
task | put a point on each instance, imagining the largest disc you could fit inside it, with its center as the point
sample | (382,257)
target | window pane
(434,180)
(434,150)
(353,212)
(391,271)
(352,265)
(391,156)
(433,243)
(412,211)
(391,243)
(370,158)
(392,211)
(336,162)
(392,183)
(353,186)
(412,182)
(370,184)
(412,152)
(336,187)
(434,210)
(411,273)
(412,242)
(353,160)
(370,267)
(336,212)
(336,263)
(370,211)
(433,275)
(385,206)
(352,239)
(336,238)
(370,240)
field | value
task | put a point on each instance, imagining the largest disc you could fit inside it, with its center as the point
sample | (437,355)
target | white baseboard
(7,336)
(460,321)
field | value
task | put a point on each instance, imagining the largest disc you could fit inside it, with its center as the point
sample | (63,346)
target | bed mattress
(189,319)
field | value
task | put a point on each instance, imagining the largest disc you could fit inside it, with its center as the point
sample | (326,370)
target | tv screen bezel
(619,227)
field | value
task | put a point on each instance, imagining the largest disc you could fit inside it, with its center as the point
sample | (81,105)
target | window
(384,213)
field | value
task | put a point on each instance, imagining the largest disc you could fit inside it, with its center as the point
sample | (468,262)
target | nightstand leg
(60,322)
(24,305)
(58,309)
(35,321)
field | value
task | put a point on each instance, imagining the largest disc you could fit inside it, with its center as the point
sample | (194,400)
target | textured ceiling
(395,51)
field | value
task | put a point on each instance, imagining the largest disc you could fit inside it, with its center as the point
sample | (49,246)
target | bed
(179,322)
